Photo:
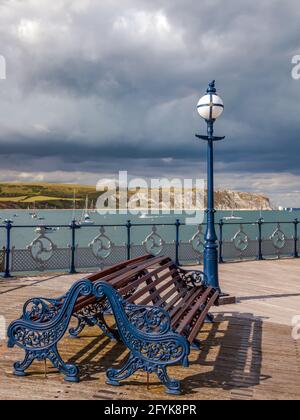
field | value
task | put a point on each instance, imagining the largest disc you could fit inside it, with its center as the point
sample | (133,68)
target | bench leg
(71,372)
(209,318)
(131,365)
(196,344)
(74,332)
(172,385)
(21,367)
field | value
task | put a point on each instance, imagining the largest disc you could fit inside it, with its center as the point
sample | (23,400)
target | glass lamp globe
(210,106)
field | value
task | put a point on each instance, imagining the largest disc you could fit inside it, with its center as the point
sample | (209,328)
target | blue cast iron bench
(158,308)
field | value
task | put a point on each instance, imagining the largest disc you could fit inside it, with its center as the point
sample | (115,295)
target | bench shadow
(99,355)
(232,353)
(230,357)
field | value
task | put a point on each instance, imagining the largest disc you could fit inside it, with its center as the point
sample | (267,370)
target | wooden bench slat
(191,312)
(157,292)
(139,268)
(179,310)
(107,275)
(186,297)
(195,330)
(170,305)
(144,278)
(163,299)
(118,267)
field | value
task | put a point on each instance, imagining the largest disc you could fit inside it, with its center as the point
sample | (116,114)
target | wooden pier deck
(247,353)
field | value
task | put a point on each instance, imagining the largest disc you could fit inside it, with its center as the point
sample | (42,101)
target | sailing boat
(86,218)
(232,217)
(34,214)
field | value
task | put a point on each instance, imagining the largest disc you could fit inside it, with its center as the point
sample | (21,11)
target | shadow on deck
(230,358)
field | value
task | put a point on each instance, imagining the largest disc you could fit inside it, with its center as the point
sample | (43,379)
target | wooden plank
(119,279)
(248,351)
(195,330)
(125,289)
(177,312)
(158,291)
(193,309)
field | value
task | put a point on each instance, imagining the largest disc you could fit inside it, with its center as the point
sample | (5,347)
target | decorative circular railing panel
(102,245)
(278,238)
(197,241)
(241,240)
(154,243)
(42,248)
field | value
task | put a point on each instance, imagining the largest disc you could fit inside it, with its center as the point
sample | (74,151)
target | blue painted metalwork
(128,226)
(8,225)
(260,223)
(93,315)
(221,224)
(192,277)
(211,246)
(42,326)
(145,330)
(73,226)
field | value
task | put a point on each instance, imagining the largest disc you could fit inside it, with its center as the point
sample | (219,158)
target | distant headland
(24,195)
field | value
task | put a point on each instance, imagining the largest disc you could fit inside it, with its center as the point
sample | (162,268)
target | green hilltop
(21,195)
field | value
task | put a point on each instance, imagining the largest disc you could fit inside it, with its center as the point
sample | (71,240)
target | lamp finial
(212,87)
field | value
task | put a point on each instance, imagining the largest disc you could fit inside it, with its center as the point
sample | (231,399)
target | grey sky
(94,87)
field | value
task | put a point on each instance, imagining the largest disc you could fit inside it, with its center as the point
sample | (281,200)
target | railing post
(128,226)
(221,224)
(8,225)
(177,242)
(296,253)
(73,227)
(260,254)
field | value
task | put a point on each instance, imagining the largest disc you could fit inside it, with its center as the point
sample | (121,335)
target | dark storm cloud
(99,84)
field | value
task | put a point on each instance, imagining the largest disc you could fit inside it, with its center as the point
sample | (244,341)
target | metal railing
(78,247)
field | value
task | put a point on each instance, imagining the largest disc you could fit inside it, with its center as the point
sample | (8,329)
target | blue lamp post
(210,107)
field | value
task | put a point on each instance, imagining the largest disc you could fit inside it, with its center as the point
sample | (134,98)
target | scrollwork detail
(278,238)
(102,245)
(154,243)
(241,240)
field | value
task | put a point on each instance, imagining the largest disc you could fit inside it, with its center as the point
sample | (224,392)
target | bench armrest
(192,277)
(40,309)
(44,321)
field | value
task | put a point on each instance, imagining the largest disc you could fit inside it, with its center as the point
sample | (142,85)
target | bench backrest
(139,280)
